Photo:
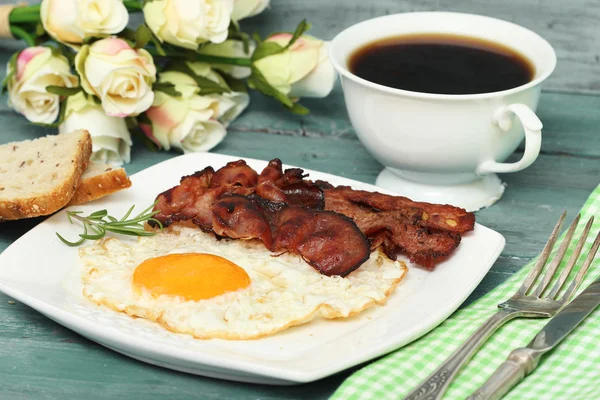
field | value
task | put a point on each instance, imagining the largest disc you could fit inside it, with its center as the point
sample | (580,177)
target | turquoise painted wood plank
(74,368)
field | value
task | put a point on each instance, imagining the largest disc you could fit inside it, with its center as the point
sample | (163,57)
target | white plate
(43,273)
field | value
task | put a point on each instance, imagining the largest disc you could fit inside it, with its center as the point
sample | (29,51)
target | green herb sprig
(98,223)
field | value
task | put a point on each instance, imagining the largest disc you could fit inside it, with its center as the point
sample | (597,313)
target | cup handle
(533,138)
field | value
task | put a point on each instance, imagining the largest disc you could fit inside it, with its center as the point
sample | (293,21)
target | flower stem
(21,34)
(133,5)
(25,14)
(239,61)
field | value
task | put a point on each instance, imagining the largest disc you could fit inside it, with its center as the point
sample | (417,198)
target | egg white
(284,290)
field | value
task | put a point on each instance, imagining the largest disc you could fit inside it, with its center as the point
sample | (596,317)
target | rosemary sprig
(98,223)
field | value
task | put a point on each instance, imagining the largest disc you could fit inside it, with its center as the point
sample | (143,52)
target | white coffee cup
(444,148)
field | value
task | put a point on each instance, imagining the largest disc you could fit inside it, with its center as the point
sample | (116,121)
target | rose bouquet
(177,80)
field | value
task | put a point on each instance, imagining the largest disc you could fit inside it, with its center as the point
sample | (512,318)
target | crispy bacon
(272,172)
(397,231)
(330,242)
(236,173)
(193,198)
(288,186)
(436,216)
(314,219)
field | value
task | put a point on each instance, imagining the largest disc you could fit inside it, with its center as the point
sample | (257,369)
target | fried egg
(189,282)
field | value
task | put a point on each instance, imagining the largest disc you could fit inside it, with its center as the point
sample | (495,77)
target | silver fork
(527,302)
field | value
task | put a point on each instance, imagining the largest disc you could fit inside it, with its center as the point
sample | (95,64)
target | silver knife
(521,362)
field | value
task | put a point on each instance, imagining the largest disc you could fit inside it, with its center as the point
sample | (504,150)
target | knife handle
(519,364)
(434,386)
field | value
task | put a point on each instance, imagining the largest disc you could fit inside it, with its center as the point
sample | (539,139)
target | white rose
(72,21)
(248,8)
(303,70)
(230,104)
(187,122)
(187,23)
(121,77)
(232,49)
(111,140)
(35,69)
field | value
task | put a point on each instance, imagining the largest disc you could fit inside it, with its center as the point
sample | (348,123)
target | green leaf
(143,36)
(246,42)
(128,34)
(60,119)
(167,88)
(63,91)
(138,134)
(128,213)
(62,112)
(98,214)
(95,99)
(41,39)
(300,30)
(206,85)
(39,30)
(12,67)
(299,109)
(159,48)
(60,50)
(258,81)
(88,236)
(68,243)
(266,49)
(235,33)
(236,85)
(43,125)
(210,87)
(131,123)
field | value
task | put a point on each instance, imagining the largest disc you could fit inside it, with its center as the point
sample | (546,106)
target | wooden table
(40,359)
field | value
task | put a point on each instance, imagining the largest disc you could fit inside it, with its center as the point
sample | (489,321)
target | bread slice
(99,180)
(40,176)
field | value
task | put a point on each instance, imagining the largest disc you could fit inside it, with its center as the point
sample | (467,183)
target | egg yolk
(193,276)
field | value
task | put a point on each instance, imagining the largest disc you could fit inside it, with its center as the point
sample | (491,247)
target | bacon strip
(223,202)
(314,219)
(436,216)
(397,231)
(330,242)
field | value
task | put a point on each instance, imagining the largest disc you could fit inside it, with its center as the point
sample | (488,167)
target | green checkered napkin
(571,371)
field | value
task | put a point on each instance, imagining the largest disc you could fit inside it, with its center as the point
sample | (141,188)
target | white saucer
(469,192)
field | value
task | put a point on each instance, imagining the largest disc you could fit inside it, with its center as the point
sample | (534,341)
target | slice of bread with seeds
(40,176)
(99,180)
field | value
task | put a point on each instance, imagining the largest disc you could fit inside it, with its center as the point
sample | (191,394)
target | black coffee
(442,64)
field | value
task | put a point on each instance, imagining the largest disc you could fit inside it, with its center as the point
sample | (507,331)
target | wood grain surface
(40,359)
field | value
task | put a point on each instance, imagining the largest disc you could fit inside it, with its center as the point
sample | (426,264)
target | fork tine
(579,278)
(560,254)
(574,257)
(543,257)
